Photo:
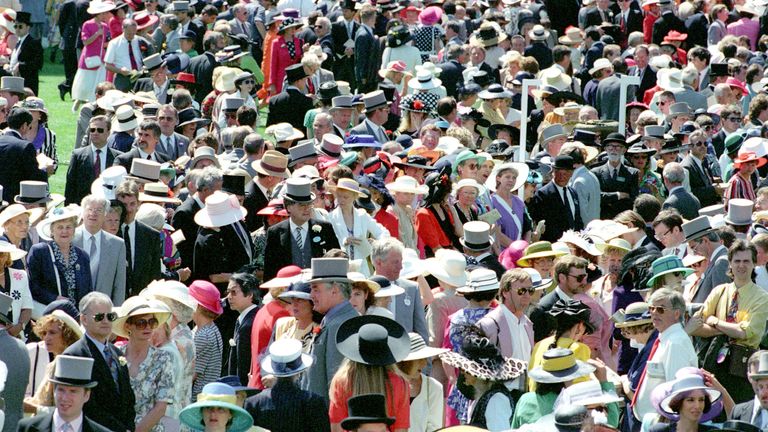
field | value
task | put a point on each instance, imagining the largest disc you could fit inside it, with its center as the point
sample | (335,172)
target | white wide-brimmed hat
(10,248)
(522,175)
(220,209)
(480,280)
(407,184)
(138,305)
(420,350)
(126,119)
(170,290)
(108,181)
(424,80)
(56,215)
(448,266)
(413,266)
(285,359)
(96,7)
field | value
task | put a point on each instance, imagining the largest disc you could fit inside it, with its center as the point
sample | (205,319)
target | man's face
(641,57)
(381,115)
(669,237)
(147,140)
(241,14)
(699,147)
(748,168)
(70,400)
(322,295)
(21,29)
(300,212)
(183,16)
(742,265)
(166,118)
(389,266)
(562,176)
(761,391)
(322,28)
(518,297)
(662,314)
(159,76)
(574,281)
(468,169)
(98,131)
(93,217)
(237,300)
(342,117)
(99,330)
(321,127)
(12,98)
(130,31)
(603,4)
(131,204)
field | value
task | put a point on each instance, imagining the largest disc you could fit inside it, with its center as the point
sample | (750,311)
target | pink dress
(86,79)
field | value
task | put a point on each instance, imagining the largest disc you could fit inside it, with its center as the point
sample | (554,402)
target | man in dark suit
(291,105)
(618,183)
(112,400)
(697,26)
(157,82)
(453,67)
(376,114)
(679,199)
(203,65)
(643,70)
(555,200)
(243,297)
(87,163)
(705,241)
(271,169)
(143,249)
(745,411)
(367,65)
(72,388)
(240,24)
(209,181)
(14,354)
(701,180)
(343,33)
(571,275)
(13,147)
(666,23)
(72,15)
(300,238)
(26,59)
(172,144)
(627,20)
(608,91)
(600,14)
(147,139)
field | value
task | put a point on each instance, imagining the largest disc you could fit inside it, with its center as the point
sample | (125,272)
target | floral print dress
(182,336)
(153,383)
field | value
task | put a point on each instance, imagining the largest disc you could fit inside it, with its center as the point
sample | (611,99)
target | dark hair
(481,296)
(446,106)
(671,218)
(253,144)
(700,53)
(559,52)
(209,10)
(676,404)
(547,388)
(647,206)
(118,206)
(248,283)
(247,116)
(18,117)
(740,245)
(439,184)
(151,126)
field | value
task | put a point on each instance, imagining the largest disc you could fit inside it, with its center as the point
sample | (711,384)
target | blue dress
(464,317)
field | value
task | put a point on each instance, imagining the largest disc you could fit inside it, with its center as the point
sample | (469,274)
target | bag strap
(55,268)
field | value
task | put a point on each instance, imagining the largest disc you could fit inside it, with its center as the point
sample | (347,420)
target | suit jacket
(278,252)
(366,66)
(409,311)
(701,184)
(183,219)
(718,142)
(633,23)
(111,403)
(626,181)
(716,32)
(694,99)
(542,322)
(594,18)
(684,202)
(496,328)
(14,354)
(587,187)
(24,166)
(80,173)
(327,357)
(666,23)
(291,105)
(202,68)
(42,278)
(743,411)
(647,80)
(147,85)
(365,128)
(247,28)
(607,98)
(208,258)
(110,278)
(240,355)
(175,149)
(30,62)
(547,205)
(71,18)
(541,52)
(255,200)
(275,409)
(127,158)
(343,66)
(714,275)
(44,423)
(491,262)
(451,76)
(146,257)
(698,26)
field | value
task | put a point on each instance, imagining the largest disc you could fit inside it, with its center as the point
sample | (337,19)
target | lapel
(101,365)
(317,247)
(286,238)
(505,337)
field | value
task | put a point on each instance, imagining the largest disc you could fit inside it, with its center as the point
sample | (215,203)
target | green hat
(465,156)
(347,158)
(734,141)
(539,249)
(665,265)
(219,395)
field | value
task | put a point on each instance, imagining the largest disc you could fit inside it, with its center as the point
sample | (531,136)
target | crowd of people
(386,215)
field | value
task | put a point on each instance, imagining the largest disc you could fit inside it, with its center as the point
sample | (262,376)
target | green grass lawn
(60,118)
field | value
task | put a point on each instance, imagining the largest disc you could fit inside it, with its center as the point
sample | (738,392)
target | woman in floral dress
(639,155)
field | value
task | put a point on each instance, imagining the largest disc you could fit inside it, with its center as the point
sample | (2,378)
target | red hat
(748,157)
(145,20)
(734,82)
(675,36)
(274,208)
(184,78)
(207,296)
(285,276)
(404,12)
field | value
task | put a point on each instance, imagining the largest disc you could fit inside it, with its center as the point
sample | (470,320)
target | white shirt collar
(58,422)
(199,201)
(244,313)
(304,227)
(560,293)
(144,154)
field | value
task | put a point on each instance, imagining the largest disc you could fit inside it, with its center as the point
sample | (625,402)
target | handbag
(92,62)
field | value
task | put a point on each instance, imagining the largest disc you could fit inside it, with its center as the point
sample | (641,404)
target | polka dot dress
(424,39)
(429,100)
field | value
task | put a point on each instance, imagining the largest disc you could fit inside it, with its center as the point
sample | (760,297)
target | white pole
(521,156)
(626,81)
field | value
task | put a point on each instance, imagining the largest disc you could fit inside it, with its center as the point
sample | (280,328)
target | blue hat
(234,382)
(356,141)
(219,395)
(665,265)
(299,290)
(404,140)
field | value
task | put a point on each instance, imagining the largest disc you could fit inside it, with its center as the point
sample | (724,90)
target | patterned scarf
(67,268)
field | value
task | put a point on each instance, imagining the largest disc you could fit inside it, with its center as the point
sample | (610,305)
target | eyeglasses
(19,26)
(250,81)
(661,236)
(699,144)
(110,316)
(657,309)
(523,291)
(579,278)
(638,156)
(734,119)
(662,103)
(99,130)
(230,114)
(708,127)
(142,323)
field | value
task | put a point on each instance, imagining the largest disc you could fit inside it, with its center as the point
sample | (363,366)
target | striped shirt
(208,349)
(739,187)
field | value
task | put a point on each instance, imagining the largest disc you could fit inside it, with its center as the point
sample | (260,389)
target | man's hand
(349,52)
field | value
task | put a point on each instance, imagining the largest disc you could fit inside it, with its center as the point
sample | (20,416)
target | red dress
(389,221)
(281,59)
(263,323)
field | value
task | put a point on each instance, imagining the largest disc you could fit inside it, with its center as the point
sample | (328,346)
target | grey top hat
(762,367)
(739,212)
(299,190)
(477,236)
(73,371)
(180,6)
(654,132)
(331,145)
(374,99)
(330,270)
(12,84)
(232,103)
(697,228)
(5,308)
(33,192)
(153,62)
(303,150)
(679,108)
(552,132)
(144,171)
(713,210)
(342,102)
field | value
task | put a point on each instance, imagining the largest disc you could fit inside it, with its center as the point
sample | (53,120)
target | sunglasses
(250,81)
(110,316)
(657,309)
(99,130)
(143,323)
(734,119)
(579,278)
(699,143)
(522,291)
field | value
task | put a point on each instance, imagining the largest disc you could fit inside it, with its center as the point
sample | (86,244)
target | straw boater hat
(480,280)
(126,119)
(448,266)
(285,359)
(559,365)
(373,340)
(482,359)
(138,305)
(634,315)
(73,371)
(220,209)
(420,350)
(284,132)
(272,163)
(56,215)
(144,171)
(157,192)
(216,395)
(538,33)
(573,36)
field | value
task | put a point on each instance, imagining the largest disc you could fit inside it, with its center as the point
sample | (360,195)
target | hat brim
(510,369)
(580,369)
(713,394)
(279,282)
(524,260)
(406,164)
(143,197)
(192,416)
(256,165)
(425,352)
(205,219)
(73,383)
(434,83)
(436,269)
(266,366)
(348,341)
(633,323)
(118,326)
(44,227)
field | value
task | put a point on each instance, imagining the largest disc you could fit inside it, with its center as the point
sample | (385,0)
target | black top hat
(614,137)
(585,137)
(389,90)
(24,18)
(415,161)
(367,408)
(373,340)
(295,72)
(348,4)
(564,162)
(328,91)
(189,34)
(718,69)
(739,426)
(233,184)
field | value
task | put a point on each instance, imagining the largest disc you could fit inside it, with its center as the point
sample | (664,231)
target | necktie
(567,203)
(66,427)
(645,370)
(622,24)
(733,308)
(149,157)
(128,253)
(110,362)
(97,164)
(349,30)
(613,174)
(94,267)
(299,238)
(132,56)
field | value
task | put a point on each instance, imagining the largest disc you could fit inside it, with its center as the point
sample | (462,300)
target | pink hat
(511,254)
(733,82)
(430,15)
(207,295)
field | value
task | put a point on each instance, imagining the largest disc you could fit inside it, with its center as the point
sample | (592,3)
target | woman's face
(18,227)
(216,418)
(357,300)
(692,407)
(53,337)
(466,195)
(543,266)
(639,161)
(634,113)
(396,77)
(416,118)
(63,231)
(506,181)
(301,309)
(530,189)
(345,199)
(188,130)
(430,139)
(673,280)
(141,327)
(414,368)
(246,86)
(112,222)
(404,198)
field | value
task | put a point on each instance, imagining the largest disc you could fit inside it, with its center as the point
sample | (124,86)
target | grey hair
(674,173)
(193,175)
(170,20)
(345,288)
(227,137)
(586,111)
(721,90)
(238,136)
(151,214)
(675,298)
(97,200)
(94,298)
(323,116)
(310,60)
(690,75)
(209,177)
(382,247)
